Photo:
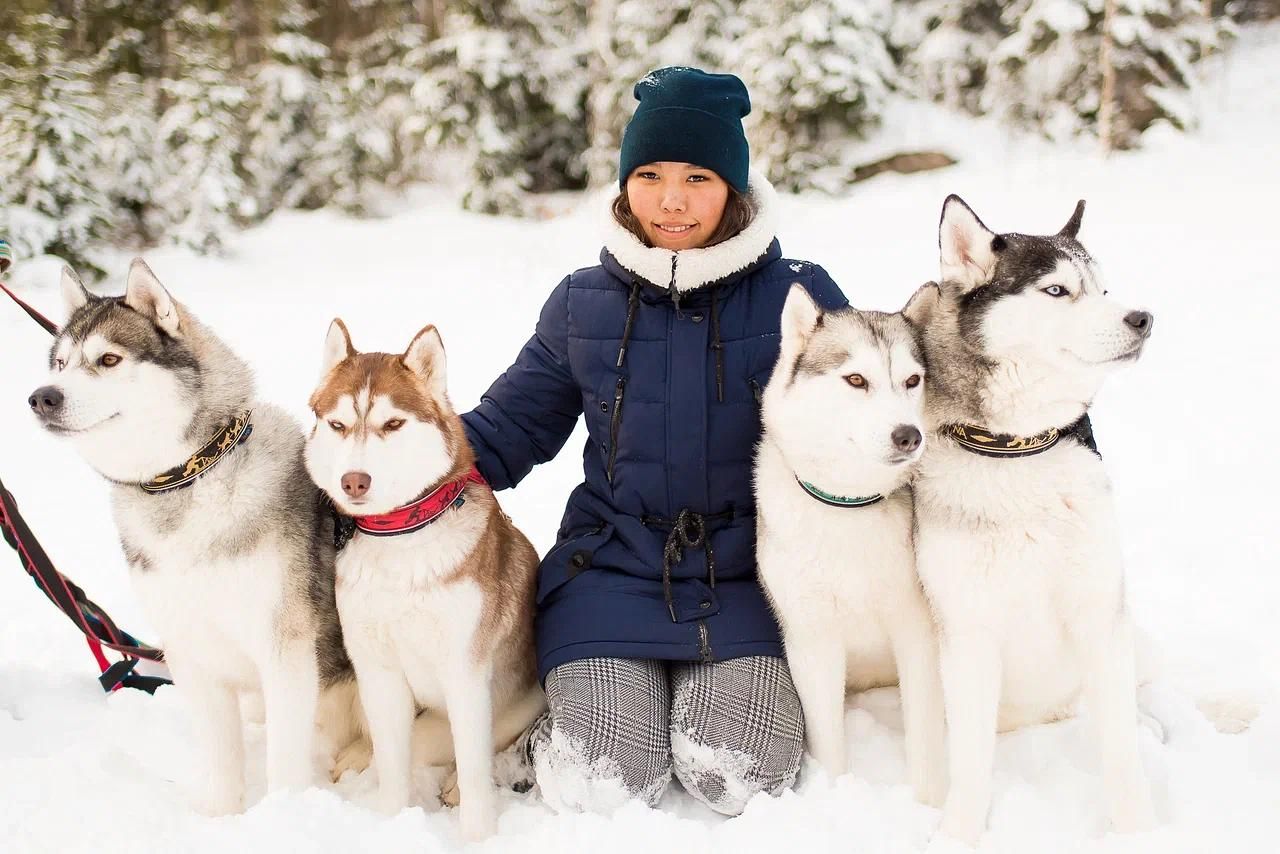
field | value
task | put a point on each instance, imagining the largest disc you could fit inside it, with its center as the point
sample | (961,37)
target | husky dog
(842,431)
(223,531)
(1016,539)
(436,588)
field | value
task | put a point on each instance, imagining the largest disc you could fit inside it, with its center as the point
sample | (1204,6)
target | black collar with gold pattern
(979,440)
(226,439)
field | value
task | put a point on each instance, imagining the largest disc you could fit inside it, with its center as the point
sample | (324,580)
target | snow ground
(1184,435)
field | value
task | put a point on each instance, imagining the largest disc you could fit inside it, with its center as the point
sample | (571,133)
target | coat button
(696,317)
(704,604)
(604,406)
(579,560)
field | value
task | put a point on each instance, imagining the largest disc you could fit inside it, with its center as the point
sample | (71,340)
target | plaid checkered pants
(727,730)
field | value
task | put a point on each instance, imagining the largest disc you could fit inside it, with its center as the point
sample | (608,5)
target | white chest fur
(1026,549)
(400,599)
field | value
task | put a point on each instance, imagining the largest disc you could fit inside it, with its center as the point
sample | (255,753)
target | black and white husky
(842,433)
(1017,544)
(221,526)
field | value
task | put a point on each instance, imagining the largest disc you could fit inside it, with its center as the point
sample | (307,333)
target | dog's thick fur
(235,572)
(842,579)
(1021,558)
(440,618)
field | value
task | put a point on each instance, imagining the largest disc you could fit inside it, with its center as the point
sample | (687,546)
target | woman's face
(679,205)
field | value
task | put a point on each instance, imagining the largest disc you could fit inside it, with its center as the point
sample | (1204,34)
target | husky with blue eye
(843,432)
(1017,544)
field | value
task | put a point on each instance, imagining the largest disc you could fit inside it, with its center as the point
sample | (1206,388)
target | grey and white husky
(235,568)
(1017,544)
(842,434)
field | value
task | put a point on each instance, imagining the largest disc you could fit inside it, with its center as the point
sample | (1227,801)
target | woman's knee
(737,729)
(608,738)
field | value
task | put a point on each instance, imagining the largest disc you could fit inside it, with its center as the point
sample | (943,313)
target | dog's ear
(144,294)
(74,294)
(337,347)
(1072,228)
(425,357)
(800,316)
(968,248)
(919,309)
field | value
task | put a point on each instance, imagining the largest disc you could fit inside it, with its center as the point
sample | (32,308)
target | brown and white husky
(435,590)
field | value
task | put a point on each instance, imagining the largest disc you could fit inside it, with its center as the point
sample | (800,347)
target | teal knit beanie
(689,116)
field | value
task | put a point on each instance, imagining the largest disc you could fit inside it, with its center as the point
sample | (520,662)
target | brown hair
(737,215)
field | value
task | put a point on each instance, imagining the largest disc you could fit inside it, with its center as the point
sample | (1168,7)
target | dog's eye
(856,380)
(109,360)
(59,364)
(337,426)
(913,381)
(1055,291)
(393,425)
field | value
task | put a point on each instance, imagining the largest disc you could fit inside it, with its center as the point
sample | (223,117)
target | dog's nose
(906,438)
(46,400)
(356,483)
(1140,322)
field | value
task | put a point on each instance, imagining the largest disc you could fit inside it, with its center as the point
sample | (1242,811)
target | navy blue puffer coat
(666,353)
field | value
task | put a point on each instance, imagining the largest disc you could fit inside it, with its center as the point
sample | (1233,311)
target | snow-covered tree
(287,93)
(133,167)
(200,133)
(943,47)
(52,196)
(819,72)
(505,84)
(1046,73)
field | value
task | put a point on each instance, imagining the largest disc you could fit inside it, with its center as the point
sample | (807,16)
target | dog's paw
(478,824)
(218,804)
(389,802)
(356,756)
(449,794)
(1230,715)
(940,844)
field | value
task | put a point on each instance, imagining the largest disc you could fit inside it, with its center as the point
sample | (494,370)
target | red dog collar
(421,513)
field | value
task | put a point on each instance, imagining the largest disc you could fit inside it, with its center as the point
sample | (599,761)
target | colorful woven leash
(99,630)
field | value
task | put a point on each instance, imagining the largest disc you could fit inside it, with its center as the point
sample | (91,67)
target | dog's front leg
(215,716)
(971,673)
(817,660)
(290,692)
(915,649)
(1112,696)
(468,697)
(389,710)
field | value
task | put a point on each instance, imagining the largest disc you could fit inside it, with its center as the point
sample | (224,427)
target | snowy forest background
(142,123)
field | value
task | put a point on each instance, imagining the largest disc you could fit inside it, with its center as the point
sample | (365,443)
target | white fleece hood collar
(695,268)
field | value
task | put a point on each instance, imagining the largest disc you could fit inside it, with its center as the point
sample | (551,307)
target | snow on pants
(619,727)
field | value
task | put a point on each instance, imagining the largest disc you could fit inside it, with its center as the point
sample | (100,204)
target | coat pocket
(570,558)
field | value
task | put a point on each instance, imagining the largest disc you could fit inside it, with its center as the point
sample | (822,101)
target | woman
(655,643)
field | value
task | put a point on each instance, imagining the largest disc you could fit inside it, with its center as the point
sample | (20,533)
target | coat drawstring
(687,531)
(615,420)
(633,301)
(716,344)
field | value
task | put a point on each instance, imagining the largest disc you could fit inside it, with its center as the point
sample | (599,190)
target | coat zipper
(615,425)
(704,642)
